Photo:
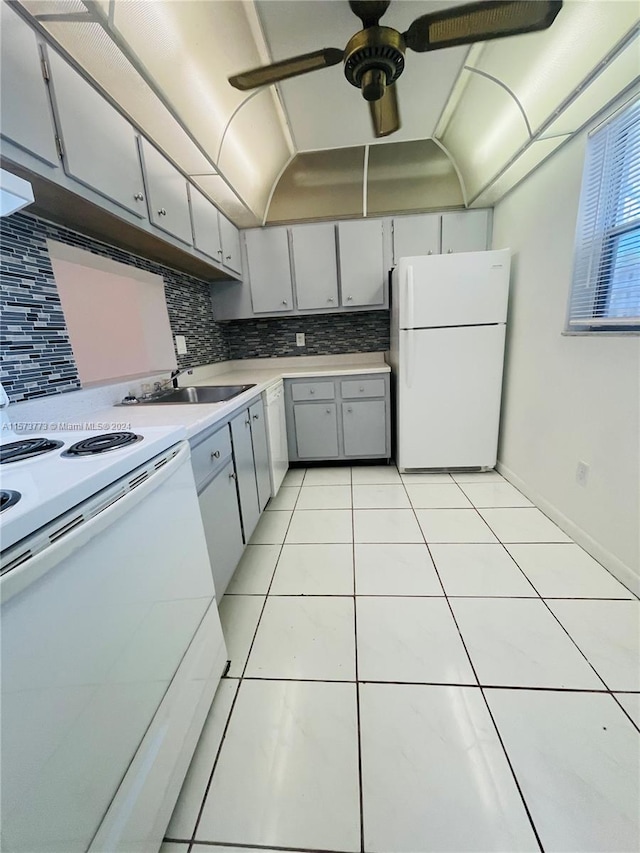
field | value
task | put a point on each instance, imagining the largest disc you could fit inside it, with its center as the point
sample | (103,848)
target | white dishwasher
(277,435)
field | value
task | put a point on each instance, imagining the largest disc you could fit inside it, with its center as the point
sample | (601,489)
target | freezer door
(449,386)
(462,289)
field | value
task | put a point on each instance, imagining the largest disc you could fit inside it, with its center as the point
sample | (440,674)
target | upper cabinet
(467,231)
(206,232)
(362,271)
(167,201)
(101,153)
(27,120)
(315,266)
(416,235)
(230,244)
(269,270)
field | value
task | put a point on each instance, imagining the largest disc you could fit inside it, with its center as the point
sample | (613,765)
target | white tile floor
(419,663)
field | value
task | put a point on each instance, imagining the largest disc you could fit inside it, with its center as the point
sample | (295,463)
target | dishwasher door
(277,434)
(95,626)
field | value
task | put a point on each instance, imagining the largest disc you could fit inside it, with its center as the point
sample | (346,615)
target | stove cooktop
(74,467)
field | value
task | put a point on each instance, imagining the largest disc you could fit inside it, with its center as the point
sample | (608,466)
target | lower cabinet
(250,450)
(222,529)
(260,452)
(341,417)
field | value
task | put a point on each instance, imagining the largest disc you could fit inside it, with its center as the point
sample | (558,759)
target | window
(605,294)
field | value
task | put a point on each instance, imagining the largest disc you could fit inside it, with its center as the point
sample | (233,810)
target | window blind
(605,291)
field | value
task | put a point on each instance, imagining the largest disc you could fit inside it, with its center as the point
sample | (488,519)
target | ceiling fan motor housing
(373,60)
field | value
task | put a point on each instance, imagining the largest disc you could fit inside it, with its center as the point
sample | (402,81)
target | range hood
(15,193)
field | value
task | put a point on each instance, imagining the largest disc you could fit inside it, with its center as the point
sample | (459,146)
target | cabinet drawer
(363,388)
(210,454)
(313,391)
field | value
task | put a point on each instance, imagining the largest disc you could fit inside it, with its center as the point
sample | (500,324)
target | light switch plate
(300,339)
(181,344)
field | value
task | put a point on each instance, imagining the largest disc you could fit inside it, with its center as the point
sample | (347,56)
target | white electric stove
(44,479)
(112,647)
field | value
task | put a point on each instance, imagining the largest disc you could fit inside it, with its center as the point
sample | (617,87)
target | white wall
(567,398)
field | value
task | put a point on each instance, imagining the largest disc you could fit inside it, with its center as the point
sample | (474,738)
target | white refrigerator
(448,321)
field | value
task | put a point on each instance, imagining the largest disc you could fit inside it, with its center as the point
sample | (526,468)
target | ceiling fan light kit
(374,57)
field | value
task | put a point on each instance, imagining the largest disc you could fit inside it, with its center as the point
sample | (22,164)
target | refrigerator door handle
(410,295)
(408,362)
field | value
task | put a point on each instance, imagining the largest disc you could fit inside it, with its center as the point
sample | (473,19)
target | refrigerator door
(464,289)
(449,384)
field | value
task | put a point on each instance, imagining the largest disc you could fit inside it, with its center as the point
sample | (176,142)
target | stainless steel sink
(199,394)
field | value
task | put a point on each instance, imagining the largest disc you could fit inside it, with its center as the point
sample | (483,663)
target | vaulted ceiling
(475,120)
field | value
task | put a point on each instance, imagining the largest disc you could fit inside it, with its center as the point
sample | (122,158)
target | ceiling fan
(374,56)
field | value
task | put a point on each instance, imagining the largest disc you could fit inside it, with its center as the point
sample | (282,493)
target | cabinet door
(167,190)
(246,472)
(99,145)
(230,244)
(362,272)
(416,235)
(465,232)
(206,235)
(269,270)
(364,427)
(27,120)
(316,430)
(315,265)
(222,530)
(260,452)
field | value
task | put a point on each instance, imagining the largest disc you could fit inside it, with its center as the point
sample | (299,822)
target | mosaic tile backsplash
(36,356)
(325,334)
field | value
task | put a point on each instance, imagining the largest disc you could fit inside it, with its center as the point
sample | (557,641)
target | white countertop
(196,417)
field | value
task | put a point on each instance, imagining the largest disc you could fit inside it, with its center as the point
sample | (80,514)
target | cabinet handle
(215,454)
(233,476)
(162,212)
(139,197)
(256,417)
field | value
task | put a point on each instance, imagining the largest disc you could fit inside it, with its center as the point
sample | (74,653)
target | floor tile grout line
(475,674)
(357,674)
(531,597)
(241,846)
(237,693)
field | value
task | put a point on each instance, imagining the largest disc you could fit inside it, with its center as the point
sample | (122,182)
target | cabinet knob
(227,257)
(350,410)
(232,475)
(312,390)
(328,411)
(139,197)
(248,422)
(284,301)
(162,212)
(429,252)
(449,251)
(215,455)
(349,298)
(361,388)
(331,299)
(256,417)
(219,251)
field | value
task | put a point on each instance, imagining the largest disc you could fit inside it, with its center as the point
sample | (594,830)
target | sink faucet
(176,373)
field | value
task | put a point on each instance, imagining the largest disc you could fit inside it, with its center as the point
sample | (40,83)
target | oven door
(94,627)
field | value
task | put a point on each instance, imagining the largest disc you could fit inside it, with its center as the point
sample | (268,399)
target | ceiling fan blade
(384,113)
(479,22)
(369,11)
(286,68)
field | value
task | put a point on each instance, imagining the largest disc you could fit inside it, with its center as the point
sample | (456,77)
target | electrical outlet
(300,339)
(181,344)
(582,473)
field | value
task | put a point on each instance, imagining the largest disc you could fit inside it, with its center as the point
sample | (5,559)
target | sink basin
(199,394)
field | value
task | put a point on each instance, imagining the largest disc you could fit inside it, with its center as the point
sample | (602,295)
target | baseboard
(618,569)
